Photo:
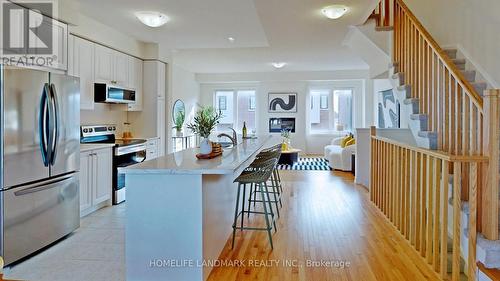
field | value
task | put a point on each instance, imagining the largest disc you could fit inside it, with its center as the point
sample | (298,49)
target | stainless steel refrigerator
(40,159)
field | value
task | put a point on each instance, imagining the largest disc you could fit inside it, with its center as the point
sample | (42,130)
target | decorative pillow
(344,141)
(350,142)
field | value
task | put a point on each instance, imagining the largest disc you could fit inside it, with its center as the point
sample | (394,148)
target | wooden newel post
(373,161)
(489,192)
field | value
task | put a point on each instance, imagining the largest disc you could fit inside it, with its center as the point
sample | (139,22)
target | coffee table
(289,157)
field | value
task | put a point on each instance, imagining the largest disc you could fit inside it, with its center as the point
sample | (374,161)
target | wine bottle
(244,133)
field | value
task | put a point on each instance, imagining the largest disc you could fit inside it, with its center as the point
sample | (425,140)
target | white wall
(279,82)
(469,25)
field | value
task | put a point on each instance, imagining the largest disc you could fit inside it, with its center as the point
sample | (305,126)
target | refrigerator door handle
(42,186)
(43,119)
(55,124)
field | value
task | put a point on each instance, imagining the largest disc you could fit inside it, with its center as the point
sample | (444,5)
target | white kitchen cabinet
(96,175)
(152,121)
(81,64)
(136,69)
(40,57)
(120,69)
(111,67)
(60,33)
(152,148)
(85,181)
(104,65)
(161,123)
(162,71)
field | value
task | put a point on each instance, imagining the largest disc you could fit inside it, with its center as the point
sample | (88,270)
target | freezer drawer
(37,215)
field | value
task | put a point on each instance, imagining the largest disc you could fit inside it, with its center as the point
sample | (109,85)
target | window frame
(331,109)
(234,92)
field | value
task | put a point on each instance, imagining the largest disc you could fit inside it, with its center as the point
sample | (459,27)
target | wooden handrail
(477,99)
(410,186)
(436,153)
(453,108)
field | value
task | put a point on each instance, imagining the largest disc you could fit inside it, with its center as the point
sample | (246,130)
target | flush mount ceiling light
(279,65)
(231,39)
(334,11)
(152,19)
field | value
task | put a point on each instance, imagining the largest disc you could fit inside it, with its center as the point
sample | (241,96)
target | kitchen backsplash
(105,114)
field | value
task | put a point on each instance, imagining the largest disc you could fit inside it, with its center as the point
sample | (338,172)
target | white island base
(180,212)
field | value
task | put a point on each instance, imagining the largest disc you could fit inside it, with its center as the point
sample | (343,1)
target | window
(251,103)
(237,106)
(331,110)
(323,103)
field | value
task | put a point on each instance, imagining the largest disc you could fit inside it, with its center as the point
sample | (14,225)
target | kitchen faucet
(234,138)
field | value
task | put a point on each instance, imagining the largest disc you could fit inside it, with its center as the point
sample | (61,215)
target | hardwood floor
(325,217)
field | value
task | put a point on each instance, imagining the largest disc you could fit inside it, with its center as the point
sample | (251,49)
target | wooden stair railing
(410,186)
(463,122)
(453,107)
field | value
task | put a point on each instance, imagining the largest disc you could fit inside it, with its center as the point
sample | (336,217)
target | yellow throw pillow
(344,141)
(350,142)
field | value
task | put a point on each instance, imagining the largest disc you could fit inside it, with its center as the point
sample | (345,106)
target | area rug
(308,164)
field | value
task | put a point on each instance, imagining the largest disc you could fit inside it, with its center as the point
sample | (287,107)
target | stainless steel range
(126,152)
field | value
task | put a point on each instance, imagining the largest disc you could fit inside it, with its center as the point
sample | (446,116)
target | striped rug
(308,164)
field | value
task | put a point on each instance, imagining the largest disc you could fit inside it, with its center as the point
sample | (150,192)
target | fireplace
(276,125)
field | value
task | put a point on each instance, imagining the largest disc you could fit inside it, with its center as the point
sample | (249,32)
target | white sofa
(339,158)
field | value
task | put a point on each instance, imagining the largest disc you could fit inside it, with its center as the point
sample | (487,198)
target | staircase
(451,111)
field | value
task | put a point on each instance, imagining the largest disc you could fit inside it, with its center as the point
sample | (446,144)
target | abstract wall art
(388,110)
(282,102)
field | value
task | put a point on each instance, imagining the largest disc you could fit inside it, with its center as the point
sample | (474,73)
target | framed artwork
(388,110)
(282,102)
(222,102)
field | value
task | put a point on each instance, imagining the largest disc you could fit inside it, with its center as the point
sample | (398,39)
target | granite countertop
(185,162)
(84,147)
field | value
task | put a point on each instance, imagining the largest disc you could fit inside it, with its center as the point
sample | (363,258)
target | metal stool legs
(266,204)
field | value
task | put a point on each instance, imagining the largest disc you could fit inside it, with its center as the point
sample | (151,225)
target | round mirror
(179,113)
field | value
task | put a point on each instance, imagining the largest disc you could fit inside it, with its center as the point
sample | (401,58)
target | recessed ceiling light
(279,65)
(152,19)
(231,39)
(334,11)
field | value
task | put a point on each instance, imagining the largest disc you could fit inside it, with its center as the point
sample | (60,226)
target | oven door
(121,162)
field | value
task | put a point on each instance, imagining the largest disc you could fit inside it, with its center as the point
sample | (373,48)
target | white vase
(205,146)
(178,133)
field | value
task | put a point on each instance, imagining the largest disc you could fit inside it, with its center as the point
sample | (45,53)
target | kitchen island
(180,211)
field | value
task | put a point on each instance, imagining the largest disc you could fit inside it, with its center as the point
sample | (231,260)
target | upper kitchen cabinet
(155,77)
(81,64)
(46,48)
(111,67)
(121,69)
(136,69)
(104,65)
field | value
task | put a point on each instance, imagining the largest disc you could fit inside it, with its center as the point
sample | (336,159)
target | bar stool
(275,179)
(258,177)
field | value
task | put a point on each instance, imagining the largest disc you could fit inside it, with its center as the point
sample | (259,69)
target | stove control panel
(97,130)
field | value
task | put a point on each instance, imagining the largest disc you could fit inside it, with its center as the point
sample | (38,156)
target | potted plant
(204,123)
(285,135)
(179,122)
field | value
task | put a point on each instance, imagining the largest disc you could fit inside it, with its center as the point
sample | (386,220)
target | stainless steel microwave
(106,93)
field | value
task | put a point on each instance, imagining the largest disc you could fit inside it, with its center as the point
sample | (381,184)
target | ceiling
(292,31)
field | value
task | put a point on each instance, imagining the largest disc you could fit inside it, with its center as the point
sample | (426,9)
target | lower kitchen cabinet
(96,168)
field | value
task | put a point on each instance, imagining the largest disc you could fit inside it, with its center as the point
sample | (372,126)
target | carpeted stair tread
(470,75)
(451,53)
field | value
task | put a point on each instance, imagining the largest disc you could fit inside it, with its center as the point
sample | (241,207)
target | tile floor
(94,252)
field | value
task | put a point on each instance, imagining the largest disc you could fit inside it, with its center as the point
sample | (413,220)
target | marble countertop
(185,162)
(84,147)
